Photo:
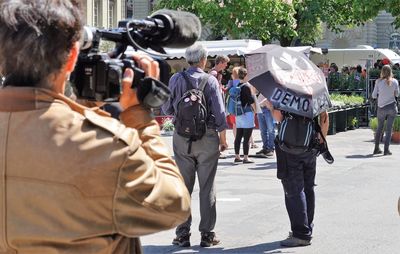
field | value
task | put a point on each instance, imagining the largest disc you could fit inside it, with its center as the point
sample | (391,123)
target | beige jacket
(72,181)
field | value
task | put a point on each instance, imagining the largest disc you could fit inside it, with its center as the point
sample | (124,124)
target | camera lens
(114,81)
(114,74)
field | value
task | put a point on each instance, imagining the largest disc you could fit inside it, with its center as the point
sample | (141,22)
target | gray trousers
(203,159)
(387,113)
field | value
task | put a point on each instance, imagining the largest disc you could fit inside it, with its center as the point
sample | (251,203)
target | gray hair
(195,53)
(36,38)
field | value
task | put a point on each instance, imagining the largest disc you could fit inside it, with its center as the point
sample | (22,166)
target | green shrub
(167,125)
(396,124)
(373,123)
(352,123)
(374,73)
(347,99)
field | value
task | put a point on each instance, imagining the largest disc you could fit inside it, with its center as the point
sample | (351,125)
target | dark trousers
(387,113)
(244,133)
(298,185)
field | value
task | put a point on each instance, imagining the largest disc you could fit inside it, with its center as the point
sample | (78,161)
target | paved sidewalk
(356,203)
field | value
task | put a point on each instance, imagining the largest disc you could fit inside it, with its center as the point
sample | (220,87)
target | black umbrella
(289,80)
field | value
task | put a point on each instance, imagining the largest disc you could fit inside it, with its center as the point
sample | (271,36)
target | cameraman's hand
(128,97)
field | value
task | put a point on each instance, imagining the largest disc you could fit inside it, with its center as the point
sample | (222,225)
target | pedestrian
(202,157)
(221,62)
(73,179)
(231,118)
(297,174)
(267,128)
(244,121)
(385,91)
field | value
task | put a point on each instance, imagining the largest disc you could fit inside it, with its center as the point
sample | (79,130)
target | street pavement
(356,203)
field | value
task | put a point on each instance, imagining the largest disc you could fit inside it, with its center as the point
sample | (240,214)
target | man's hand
(268,104)
(128,97)
(223,145)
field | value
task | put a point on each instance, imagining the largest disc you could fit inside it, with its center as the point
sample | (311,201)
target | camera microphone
(185,29)
(165,28)
(97,75)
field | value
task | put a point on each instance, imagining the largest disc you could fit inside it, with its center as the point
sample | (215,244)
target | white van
(365,56)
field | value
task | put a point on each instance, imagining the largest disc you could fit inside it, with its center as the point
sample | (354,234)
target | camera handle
(323,148)
(152,93)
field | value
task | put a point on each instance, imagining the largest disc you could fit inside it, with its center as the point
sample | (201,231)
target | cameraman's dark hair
(36,37)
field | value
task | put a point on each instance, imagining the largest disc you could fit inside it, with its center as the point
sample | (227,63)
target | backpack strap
(189,85)
(203,82)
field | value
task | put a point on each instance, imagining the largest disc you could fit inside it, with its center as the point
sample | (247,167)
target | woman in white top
(386,90)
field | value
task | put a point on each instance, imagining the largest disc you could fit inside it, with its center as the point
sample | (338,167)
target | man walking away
(297,174)
(201,155)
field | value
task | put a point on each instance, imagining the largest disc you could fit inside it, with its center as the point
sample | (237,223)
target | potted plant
(167,126)
(396,130)
(373,124)
(352,123)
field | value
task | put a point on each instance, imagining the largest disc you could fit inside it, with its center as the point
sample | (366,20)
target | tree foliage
(267,20)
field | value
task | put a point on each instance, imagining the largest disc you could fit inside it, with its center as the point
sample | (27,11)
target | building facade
(107,13)
(379,33)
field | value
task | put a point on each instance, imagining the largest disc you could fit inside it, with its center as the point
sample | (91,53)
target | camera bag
(298,134)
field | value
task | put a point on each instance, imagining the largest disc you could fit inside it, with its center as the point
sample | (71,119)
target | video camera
(97,76)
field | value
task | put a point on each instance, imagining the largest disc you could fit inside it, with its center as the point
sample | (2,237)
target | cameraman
(74,181)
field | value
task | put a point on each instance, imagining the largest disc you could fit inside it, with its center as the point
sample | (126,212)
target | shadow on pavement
(263,166)
(360,156)
(264,248)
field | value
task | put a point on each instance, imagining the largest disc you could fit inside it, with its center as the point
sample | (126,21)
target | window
(123,9)
(129,9)
(96,13)
(394,41)
(111,11)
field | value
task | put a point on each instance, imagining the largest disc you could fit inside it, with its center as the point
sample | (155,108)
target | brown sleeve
(151,195)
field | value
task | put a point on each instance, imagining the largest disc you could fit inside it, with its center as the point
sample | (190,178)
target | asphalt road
(356,204)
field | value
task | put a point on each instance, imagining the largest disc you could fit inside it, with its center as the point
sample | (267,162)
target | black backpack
(297,134)
(192,112)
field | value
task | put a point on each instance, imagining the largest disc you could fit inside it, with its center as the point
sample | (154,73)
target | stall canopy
(222,47)
(231,48)
(306,50)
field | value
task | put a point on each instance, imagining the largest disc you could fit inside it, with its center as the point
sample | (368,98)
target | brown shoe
(208,239)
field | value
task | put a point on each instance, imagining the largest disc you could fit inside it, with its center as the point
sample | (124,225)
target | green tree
(258,19)
(286,21)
